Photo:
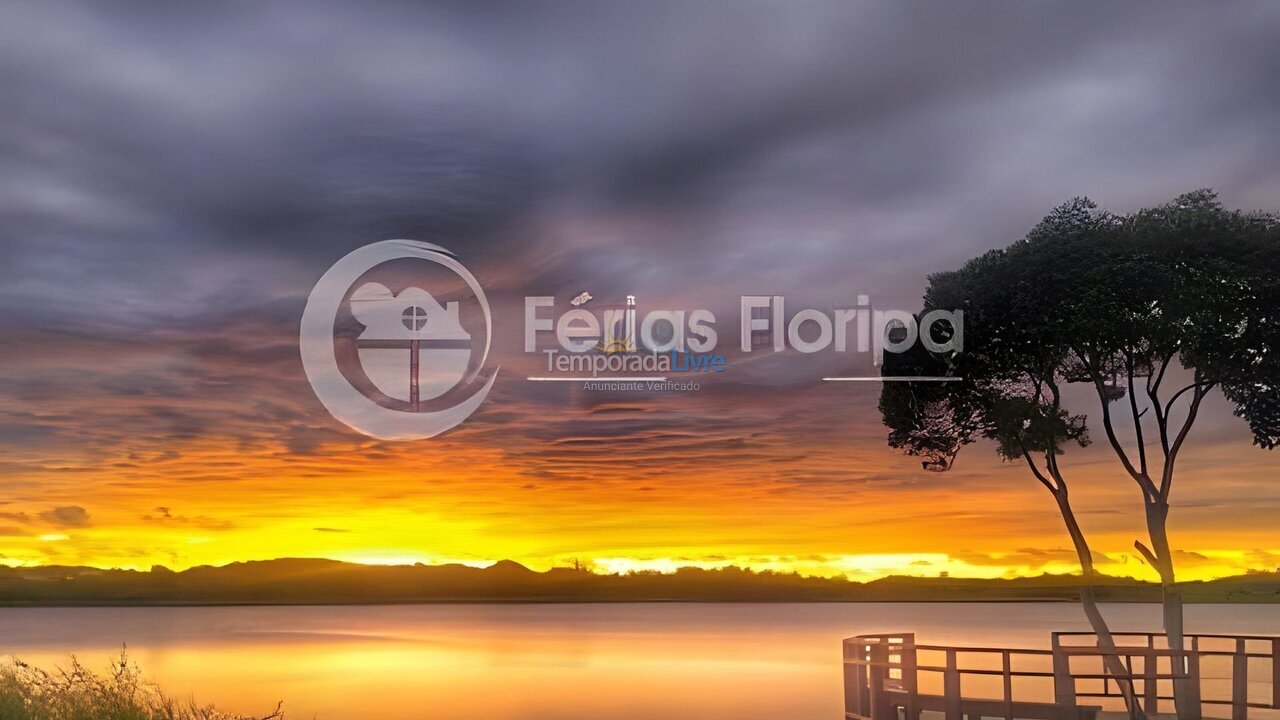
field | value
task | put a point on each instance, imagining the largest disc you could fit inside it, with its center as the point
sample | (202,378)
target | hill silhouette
(318,581)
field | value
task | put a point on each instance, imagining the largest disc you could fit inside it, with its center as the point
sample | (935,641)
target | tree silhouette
(1184,295)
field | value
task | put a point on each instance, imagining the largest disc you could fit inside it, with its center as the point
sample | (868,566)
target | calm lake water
(562,662)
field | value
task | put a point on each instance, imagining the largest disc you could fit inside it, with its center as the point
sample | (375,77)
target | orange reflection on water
(571,662)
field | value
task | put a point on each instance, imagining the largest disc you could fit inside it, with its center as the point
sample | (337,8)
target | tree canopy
(1120,301)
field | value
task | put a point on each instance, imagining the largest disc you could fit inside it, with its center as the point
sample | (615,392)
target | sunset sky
(173,183)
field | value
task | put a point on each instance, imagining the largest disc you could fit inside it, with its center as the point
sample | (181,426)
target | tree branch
(1137,417)
(1026,454)
(1162,420)
(1168,407)
(1051,462)
(1154,380)
(1143,481)
(1153,393)
(1146,553)
(1166,479)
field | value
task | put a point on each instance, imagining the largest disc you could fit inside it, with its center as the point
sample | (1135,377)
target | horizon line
(479,565)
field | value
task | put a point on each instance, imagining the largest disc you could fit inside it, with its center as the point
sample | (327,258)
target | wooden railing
(888,677)
(1231,688)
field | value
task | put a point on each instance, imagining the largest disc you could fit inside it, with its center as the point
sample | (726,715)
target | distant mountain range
(312,581)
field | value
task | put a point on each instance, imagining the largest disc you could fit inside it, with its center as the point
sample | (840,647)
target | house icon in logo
(412,347)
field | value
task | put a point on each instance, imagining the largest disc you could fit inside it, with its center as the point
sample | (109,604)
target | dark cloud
(209,148)
(165,516)
(67,516)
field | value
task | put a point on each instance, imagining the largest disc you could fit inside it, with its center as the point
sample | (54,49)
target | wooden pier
(891,677)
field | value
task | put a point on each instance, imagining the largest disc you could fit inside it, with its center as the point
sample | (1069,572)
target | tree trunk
(1090,604)
(1171,596)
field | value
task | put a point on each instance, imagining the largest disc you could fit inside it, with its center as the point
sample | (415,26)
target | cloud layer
(175,179)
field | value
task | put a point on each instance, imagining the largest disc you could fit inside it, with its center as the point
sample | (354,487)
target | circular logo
(384,354)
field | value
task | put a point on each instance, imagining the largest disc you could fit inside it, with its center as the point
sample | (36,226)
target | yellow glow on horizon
(464,502)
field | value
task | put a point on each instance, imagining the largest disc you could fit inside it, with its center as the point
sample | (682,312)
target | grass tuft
(75,692)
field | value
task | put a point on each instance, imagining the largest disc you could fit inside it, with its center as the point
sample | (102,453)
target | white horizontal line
(895,378)
(597,379)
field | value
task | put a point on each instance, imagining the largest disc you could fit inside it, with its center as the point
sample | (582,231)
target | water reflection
(565,662)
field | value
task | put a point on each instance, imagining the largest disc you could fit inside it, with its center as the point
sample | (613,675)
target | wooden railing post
(951,687)
(1192,683)
(1150,696)
(1275,673)
(1008,684)
(910,677)
(1240,682)
(1064,686)
(877,673)
(854,677)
